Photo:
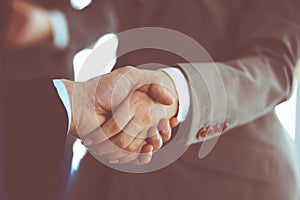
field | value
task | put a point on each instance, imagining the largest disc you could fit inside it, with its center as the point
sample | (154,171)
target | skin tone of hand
(29,25)
(137,119)
(133,108)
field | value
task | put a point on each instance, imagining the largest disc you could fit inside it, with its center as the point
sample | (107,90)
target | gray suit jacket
(255,46)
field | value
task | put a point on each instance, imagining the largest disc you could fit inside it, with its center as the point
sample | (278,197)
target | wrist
(168,82)
(182,90)
(70,87)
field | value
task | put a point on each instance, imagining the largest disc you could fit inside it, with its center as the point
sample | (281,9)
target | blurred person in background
(22,60)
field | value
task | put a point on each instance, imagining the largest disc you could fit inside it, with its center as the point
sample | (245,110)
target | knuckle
(164,131)
(131,148)
(119,143)
(123,144)
(129,68)
(146,120)
(114,128)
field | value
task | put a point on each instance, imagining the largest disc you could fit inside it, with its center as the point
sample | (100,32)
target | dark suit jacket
(33,121)
(255,46)
(24,74)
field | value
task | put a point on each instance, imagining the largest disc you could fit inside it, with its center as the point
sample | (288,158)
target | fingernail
(113,161)
(87,142)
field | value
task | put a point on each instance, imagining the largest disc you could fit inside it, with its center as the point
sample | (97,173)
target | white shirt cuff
(64,96)
(183,93)
(60,29)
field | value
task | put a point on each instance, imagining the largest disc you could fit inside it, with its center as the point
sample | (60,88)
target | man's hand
(29,25)
(98,100)
(92,101)
(136,121)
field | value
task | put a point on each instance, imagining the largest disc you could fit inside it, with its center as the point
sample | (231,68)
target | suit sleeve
(87,25)
(33,125)
(249,86)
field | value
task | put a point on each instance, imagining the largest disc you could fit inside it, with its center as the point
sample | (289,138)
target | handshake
(124,116)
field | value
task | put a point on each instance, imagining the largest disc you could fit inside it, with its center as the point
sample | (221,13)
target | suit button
(218,128)
(202,133)
(211,131)
(225,127)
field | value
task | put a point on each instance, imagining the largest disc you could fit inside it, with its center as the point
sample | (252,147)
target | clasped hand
(124,116)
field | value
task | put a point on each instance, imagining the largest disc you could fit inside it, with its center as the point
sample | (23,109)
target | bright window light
(80,4)
(286,113)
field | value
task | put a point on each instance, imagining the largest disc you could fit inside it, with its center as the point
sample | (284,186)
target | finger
(111,127)
(115,153)
(139,158)
(120,144)
(159,93)
(125,138)
(116,156)
(132,156)
(100,118)
(138,141)
(120,156)
(144,88)
(146,156)
(106,147)
(174,122)
(154,138)
(132,152)
(165,130)
(128,158)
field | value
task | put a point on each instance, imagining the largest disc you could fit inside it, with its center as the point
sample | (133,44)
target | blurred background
(287,113)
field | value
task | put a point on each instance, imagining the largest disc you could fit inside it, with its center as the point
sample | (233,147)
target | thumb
(161,94)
